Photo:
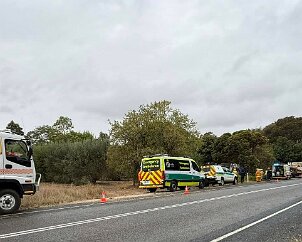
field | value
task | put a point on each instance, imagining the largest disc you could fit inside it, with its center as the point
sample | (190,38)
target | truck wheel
(173,186)
(201,184)
(10,201)
(152,189)
(221,182)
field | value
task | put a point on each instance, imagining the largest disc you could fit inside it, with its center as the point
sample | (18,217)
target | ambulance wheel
(10,201)
(152,189)
(235,182)
(173,186)
(221,182)
(201,184)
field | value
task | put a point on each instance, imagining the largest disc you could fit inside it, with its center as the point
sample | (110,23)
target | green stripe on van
(182,177)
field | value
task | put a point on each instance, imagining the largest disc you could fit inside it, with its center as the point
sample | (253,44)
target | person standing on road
(242,173)
(269,174)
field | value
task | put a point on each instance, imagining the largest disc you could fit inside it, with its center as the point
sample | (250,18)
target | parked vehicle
(229,177)
(17,171)
(296,171)
(281,171)
(216,174)
(163,171)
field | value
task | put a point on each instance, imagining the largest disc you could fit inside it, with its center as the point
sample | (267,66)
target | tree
(287,150)
(249,148)
(73,136)
(154,128)
(207,148)
(221,152)
(288,127)
(104,136)
(60,131)
(285,135)
(63,125)
(15,128)
(42,134)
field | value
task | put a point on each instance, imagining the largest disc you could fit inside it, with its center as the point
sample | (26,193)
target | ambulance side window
(184,165)
(195,166)
(16,151)
(172,165)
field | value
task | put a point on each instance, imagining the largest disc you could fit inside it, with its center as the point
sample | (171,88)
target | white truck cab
(281,171)
(17,171)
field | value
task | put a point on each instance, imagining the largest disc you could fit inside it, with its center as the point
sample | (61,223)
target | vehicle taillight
(139,176)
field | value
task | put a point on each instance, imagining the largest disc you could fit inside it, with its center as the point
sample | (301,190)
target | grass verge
(51,194)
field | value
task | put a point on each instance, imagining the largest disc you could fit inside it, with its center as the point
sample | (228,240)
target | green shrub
(67,162)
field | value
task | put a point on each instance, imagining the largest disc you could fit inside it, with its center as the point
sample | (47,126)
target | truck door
(1,159)
(16,163)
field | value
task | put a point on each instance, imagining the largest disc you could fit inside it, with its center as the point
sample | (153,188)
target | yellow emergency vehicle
(164,171)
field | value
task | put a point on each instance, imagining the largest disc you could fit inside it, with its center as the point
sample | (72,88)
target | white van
(217,174)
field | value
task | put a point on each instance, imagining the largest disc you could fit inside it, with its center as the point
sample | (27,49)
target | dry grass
(52,194)
(297,238)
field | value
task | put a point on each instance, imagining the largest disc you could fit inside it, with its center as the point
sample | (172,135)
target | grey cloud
(6,110)
(227,65)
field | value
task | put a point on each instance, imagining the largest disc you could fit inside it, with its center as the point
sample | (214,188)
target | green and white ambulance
(163,171)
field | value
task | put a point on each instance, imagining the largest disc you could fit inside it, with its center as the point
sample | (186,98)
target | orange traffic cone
(187,191)
(103,199)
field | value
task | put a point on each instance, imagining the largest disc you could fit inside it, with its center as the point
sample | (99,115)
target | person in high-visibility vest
(258,175)
(235,171)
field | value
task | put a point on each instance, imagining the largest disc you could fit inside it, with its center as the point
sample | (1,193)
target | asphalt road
(261,212)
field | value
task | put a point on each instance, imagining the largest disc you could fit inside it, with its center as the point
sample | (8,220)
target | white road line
(43,210)
(254,223)
(60,226)
(83,205)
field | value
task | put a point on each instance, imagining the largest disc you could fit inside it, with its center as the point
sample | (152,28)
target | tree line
(66,156)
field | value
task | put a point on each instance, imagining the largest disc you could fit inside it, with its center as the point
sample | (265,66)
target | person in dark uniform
(269,174)
(242,173)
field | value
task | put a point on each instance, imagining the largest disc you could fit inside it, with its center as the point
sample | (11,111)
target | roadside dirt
(51,194)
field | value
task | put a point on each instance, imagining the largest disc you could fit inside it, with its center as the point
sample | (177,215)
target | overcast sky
(229,65)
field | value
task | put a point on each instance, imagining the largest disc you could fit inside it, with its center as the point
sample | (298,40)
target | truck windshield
(279,170)
(151,165)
